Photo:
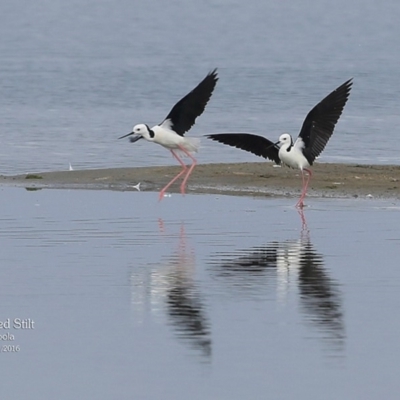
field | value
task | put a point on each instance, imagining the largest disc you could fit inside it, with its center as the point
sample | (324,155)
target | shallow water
(217,296)
(220,297)
(77,75)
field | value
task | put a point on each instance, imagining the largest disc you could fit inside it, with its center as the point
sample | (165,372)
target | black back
(184,113)
(258,145)
(321,120)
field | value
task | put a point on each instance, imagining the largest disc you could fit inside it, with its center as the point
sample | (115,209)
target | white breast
(293,158)
(167,137)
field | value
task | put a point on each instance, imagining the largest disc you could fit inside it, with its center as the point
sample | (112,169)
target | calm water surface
(220,297)
(203,296)
(76,75)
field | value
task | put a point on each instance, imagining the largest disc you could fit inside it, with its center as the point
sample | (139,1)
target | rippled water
(219,297)
(222,297)
(76,75)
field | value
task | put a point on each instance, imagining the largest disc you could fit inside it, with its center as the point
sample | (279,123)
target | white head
(144,131)
(140,131)
(285,140)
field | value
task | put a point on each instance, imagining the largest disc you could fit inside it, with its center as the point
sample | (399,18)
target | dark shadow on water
(174,280)
(284,267)
(184,304)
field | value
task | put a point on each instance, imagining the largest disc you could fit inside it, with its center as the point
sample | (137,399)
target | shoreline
(248,179)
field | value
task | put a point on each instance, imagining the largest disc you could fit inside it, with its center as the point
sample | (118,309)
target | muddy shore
(255,179)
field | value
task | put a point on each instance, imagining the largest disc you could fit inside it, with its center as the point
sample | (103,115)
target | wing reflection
(319,294)
(186,313)
(291,266)
(171,286)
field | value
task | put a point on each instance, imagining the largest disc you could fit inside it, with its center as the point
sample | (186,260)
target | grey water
(113,295)
(216,296)
(77,75)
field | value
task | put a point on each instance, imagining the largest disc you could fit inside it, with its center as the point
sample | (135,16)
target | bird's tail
(192,145)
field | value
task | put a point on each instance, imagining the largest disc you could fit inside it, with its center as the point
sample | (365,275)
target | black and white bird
(170,132)
(317,129)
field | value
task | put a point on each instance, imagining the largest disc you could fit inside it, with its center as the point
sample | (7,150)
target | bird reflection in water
(171,285)
(290,266)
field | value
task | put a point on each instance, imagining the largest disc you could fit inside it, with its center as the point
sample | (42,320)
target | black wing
(321,120)
(258,145)
(184,113)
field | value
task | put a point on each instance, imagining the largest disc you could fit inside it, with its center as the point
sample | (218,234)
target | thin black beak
(132,139)
(128,134)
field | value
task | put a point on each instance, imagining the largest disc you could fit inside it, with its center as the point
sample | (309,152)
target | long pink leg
(300,203)
(184,168)
(194,162)
(305,187)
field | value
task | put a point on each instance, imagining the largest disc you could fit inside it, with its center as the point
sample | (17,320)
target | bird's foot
(183,190)
(161,195)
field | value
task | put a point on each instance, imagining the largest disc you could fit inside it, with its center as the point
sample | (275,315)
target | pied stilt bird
(317,129)
(170,132)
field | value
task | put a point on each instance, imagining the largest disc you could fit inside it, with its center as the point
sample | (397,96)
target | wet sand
(255,179)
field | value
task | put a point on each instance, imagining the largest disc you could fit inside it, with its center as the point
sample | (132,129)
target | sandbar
(249,179)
